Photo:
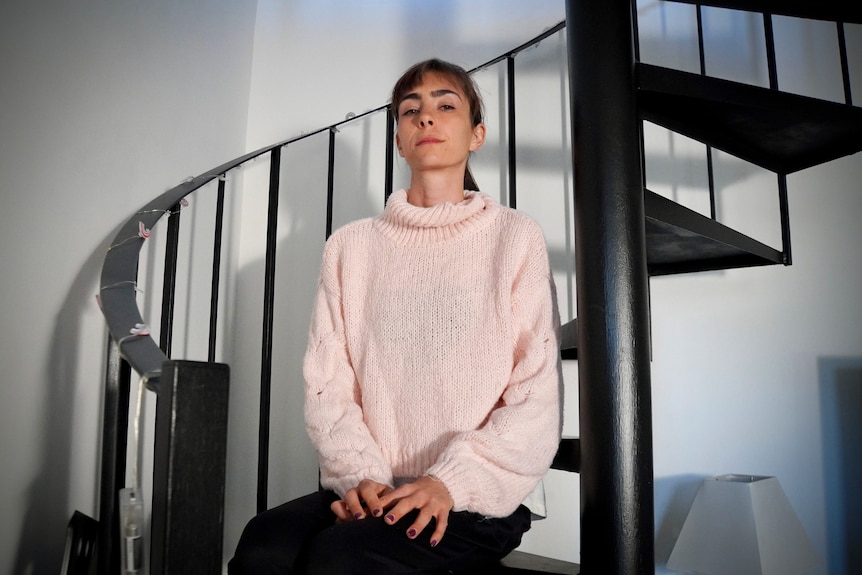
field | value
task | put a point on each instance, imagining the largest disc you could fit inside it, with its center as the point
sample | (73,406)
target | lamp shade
(742,525)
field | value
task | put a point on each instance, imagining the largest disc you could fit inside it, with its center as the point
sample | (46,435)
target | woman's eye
(447,107)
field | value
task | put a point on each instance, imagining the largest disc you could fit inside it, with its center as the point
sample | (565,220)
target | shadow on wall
(43,535)
(841,405)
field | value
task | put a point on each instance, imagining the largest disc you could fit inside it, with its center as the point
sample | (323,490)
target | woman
(432,374)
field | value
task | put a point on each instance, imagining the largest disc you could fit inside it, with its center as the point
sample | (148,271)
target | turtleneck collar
(405,223)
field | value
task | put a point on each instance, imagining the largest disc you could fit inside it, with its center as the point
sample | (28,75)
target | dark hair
(459,76)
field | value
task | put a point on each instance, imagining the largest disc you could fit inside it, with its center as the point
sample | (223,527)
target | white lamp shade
(742,525)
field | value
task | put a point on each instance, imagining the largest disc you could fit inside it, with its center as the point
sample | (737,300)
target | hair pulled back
(458,76)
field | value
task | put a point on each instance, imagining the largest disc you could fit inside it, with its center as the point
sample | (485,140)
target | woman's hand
(426,494)
(360,501)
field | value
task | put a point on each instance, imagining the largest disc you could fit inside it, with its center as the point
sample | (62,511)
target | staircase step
(680,240)
(833,10)
(776,130)
(519,562)
(568,457)
(569,340)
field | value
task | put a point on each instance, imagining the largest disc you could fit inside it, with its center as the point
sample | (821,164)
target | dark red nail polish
(411,533)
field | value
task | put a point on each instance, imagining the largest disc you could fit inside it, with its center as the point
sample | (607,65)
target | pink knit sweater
(433,350)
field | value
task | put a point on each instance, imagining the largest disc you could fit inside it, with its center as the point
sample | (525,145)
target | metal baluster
(770,50)
(784,209)
(268,321)
(845,66)
(390,153)
(330,182)
(710,170)
(216,269)
(169,285)
(510,79)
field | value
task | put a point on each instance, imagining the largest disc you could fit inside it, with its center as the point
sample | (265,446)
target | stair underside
(776,130)
(680,240)
(832,10)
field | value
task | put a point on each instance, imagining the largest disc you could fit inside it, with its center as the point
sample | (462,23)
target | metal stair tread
(779,131)
(680,240)
(520,562)
(833,10)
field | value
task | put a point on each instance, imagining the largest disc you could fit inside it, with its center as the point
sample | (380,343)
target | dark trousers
(301,537)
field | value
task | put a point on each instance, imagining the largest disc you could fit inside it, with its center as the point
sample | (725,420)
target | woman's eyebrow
(445,91)
(434,94)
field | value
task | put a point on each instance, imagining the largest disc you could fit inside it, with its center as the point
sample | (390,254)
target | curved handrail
(118,284)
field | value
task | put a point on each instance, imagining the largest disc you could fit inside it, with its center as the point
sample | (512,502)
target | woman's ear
(478,137)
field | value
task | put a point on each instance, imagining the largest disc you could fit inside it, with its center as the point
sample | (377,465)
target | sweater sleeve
(493,469)
(333,414)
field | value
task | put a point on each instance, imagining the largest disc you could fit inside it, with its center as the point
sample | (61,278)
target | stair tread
(522,562)
(778,131)
(569,340)
(833,10)
(680,240)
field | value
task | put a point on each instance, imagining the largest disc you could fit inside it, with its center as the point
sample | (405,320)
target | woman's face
(435,131)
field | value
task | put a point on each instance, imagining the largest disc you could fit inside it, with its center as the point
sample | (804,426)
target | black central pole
(617,530)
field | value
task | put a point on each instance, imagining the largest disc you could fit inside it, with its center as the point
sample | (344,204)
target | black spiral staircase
(778,131)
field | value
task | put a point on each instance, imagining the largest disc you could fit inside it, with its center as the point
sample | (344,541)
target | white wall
(122,101)
(103,105)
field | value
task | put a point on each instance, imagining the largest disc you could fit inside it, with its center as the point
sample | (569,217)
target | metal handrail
(117,286)
(119,271)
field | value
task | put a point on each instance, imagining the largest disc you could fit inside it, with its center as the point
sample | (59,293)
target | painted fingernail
(411,533)
(357,515)
(376,512)
(434,543)
(390,518)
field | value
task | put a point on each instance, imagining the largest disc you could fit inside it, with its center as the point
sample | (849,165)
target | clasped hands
(427,495)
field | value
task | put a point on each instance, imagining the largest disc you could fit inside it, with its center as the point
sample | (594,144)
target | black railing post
(330,182)
(390,153)
(845,65)
(115,429)
(769,36)
(268,322)
(216,269)
(189,464)
(169,285)
(617,531)
(710,170)
(784,210)
(510,84)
